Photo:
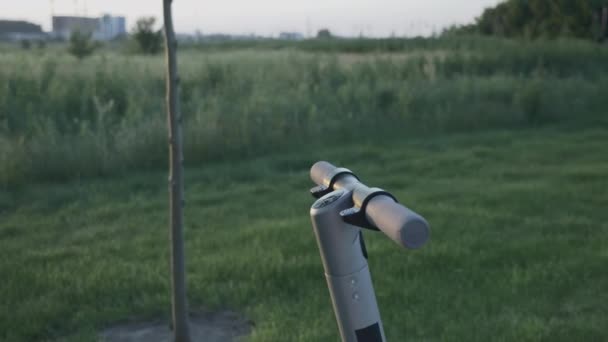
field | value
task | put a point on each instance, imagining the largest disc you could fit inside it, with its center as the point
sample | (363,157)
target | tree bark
(181,329)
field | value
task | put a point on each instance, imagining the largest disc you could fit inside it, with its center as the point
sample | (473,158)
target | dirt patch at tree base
(223,326)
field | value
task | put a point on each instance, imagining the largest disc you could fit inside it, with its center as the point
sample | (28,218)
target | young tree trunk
(179,302)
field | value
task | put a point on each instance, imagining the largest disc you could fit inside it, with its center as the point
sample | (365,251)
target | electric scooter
(344,207)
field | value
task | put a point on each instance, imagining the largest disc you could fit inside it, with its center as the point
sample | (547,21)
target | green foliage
(60,120)
(539,18)
(530,100)
(81,45)
(26,44)
(324,34)
(149,40)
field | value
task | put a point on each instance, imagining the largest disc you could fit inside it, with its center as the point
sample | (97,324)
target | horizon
(380,18)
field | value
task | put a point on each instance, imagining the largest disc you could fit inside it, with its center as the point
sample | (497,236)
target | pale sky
(269,17)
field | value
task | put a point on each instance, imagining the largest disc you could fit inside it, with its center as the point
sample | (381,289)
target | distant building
(110,27)
(64,26)
(20,30)
(291,36)
(106,27)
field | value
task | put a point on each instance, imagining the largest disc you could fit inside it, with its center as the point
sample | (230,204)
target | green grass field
(518,249)
(500,144)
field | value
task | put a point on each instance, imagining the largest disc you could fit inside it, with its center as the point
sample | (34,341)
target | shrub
(529,98)
(149,40)
(324,34)
(26,44)
(81,45)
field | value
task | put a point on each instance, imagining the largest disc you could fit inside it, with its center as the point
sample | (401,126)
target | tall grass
(61,119)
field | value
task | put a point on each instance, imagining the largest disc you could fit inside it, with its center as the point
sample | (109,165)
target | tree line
(586,19)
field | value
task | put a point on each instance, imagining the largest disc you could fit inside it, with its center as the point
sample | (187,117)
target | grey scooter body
(346,270)
(345,207)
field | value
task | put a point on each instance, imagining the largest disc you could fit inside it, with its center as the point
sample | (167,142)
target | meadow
(500,144)
(63,119)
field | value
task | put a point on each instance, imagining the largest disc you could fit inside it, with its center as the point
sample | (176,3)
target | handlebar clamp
(361,196)
(330,180)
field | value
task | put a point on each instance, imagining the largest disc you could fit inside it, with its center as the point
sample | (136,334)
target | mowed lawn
(519,246)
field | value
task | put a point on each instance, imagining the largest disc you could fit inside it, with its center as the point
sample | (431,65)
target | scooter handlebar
(321,172)
(399,223)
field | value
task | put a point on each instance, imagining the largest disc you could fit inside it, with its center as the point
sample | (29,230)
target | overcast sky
(269,17)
